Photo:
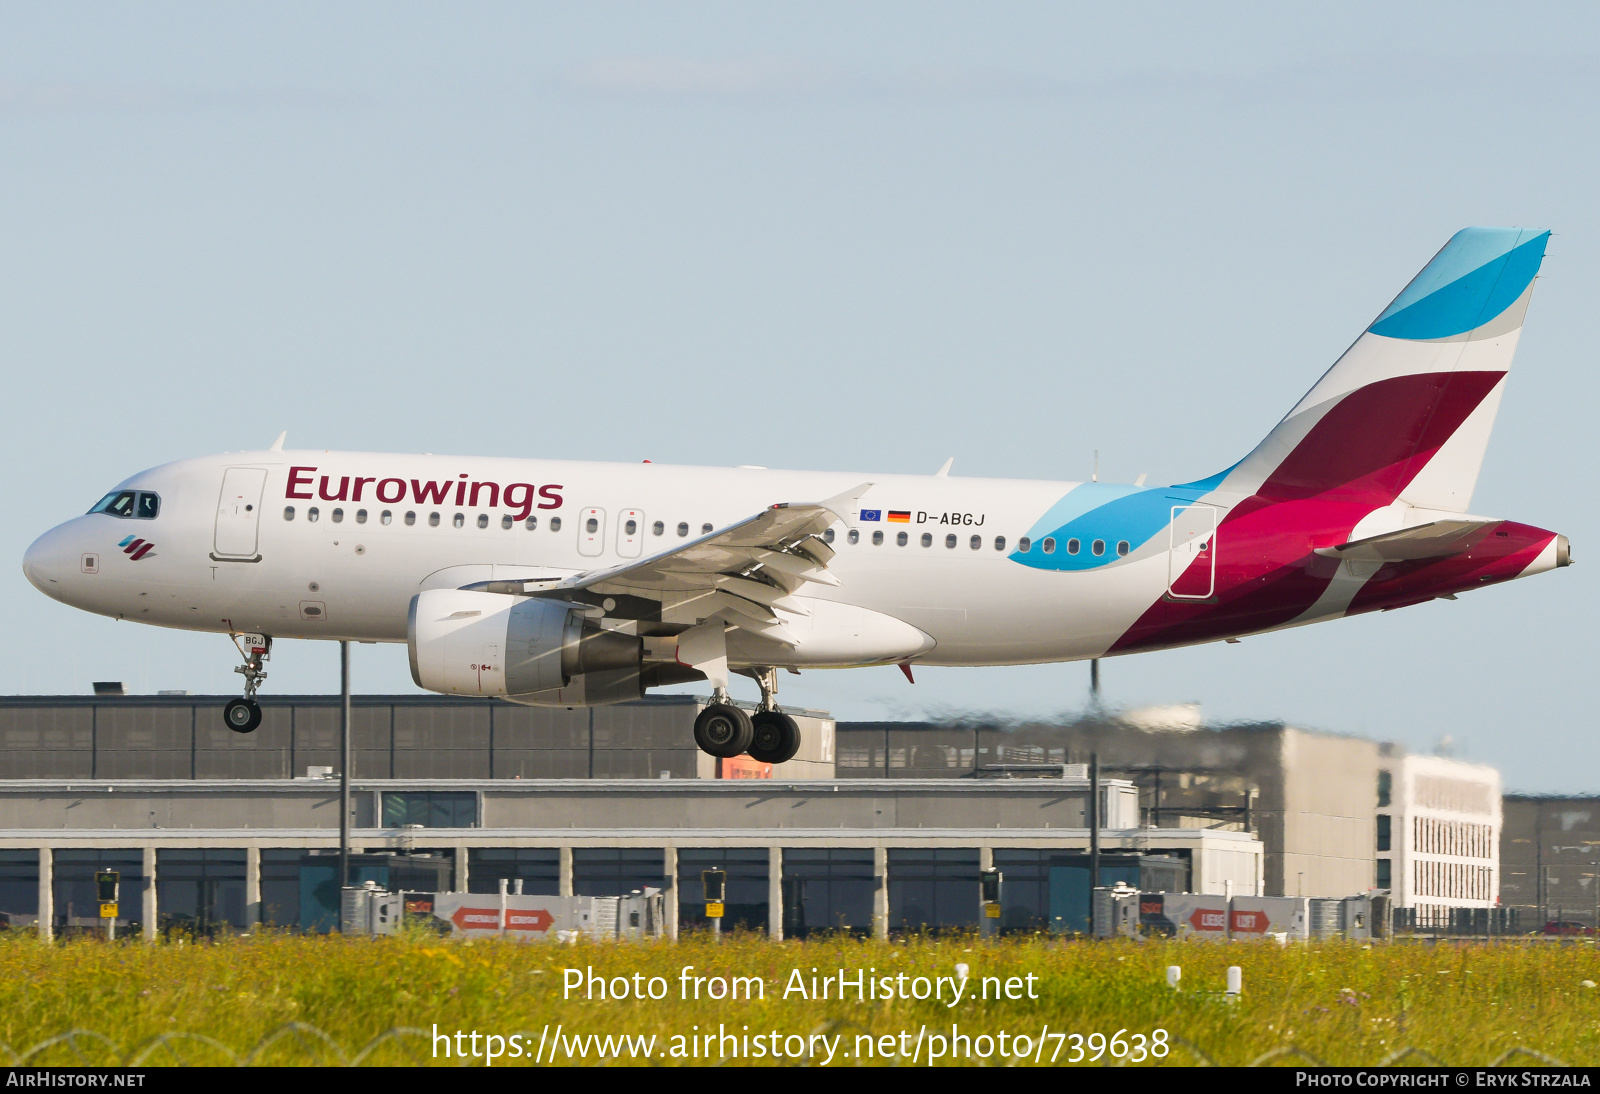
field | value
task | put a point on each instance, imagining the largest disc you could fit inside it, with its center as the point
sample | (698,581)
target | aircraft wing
(1436,539)
(745,571)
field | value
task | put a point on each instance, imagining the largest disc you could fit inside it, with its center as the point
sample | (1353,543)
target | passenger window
(507,521)
(361,516)
(902,539)
(1049,546)
(630,528)
(312,514)
(658,528)
(854,536)
(950,540)
(531,523)
(460,520)
(1024,544)
(977,541)
(150,505)
(288,512)
(877,539)
(411,518)
(927,539)
(483,520)
(1098,547)
(827,537)
(1072,546)
(338,516)
(387,518)
(592,525)
(555,524)
(433,520)
(705,529)
(999,543)
(683,528)
(1122,547)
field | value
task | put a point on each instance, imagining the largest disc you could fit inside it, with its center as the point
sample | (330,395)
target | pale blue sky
(862,236)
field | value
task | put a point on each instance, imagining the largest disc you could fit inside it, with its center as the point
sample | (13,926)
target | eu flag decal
(872,514)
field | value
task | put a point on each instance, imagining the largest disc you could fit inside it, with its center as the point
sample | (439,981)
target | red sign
(488,919)
(1250,922)
(743,767)
(1209,919)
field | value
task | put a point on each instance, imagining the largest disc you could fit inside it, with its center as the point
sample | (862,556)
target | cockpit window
(129,504)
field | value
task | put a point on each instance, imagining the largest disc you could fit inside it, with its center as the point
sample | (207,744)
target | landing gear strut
(775,736)
(244,715)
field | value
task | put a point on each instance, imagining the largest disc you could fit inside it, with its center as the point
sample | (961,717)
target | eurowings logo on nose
(137,548)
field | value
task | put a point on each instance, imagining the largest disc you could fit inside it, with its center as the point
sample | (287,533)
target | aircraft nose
(46,560)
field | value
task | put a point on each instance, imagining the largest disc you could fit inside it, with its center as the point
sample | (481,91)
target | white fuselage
(344,577)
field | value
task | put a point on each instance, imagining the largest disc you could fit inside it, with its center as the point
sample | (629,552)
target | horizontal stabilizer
(1436,539)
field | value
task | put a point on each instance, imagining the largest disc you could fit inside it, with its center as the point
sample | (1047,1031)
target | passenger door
(630,532)
(239,514)
(1192,559)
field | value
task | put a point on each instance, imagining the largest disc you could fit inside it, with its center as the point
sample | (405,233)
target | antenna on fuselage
(1096,475)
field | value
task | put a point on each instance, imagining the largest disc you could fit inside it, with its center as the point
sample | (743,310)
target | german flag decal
(899,516)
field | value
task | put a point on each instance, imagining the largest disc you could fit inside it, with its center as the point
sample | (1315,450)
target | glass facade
(616,871)
(827,889)
(430,808)
(199,890)
(19,887)
(76,903)
(538,868)
(746,907)
(933,888)
(1046,890)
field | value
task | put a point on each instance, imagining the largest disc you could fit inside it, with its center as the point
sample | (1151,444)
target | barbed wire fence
(304,1044)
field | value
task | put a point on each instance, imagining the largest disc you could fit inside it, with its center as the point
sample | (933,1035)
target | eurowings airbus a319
(561,583)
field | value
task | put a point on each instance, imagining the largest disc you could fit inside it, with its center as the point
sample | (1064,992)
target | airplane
(561,583)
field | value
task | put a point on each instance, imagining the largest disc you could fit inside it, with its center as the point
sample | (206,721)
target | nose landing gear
(244,715)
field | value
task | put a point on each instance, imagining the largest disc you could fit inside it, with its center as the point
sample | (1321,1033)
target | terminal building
(209,828)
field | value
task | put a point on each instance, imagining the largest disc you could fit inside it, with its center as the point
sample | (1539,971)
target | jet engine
(526,649)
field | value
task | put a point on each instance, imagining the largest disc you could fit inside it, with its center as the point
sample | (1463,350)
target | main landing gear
(244,715)
(769,735)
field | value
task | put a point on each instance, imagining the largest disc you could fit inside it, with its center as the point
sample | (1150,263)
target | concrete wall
(1550,858)
(1323,808)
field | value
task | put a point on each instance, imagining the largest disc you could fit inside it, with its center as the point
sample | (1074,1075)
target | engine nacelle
(528,649)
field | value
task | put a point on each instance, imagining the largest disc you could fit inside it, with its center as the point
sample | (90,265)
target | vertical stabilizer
(1405,414)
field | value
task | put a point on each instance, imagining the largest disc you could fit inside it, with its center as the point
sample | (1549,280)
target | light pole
(344,770)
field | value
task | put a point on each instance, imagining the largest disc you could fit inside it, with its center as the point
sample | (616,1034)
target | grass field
(277,996)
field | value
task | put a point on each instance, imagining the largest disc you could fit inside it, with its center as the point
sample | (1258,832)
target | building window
(1385,788)
(933,888)
(430,808)
(1385,875)
(747,870)
(1383,832)
(827,889)
(538,868)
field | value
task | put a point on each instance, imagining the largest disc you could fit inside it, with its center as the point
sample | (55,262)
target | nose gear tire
(242,715)
(776,738)
(723,730)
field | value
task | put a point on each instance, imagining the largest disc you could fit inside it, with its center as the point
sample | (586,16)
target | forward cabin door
(239,514)
(1192,557)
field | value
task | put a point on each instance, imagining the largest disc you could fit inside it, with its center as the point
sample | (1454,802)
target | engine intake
(528,649)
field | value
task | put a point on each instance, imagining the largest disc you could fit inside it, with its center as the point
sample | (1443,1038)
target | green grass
(1341,1003)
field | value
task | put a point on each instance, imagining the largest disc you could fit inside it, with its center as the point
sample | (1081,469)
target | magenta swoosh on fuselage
(1360,456)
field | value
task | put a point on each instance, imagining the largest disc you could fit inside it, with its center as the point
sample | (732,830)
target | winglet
(840,502)
(944,472)
(277,445)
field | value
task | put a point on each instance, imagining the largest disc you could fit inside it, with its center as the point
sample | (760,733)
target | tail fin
(1406,412)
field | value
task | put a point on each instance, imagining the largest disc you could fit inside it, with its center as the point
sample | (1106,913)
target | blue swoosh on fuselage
(1107,512)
